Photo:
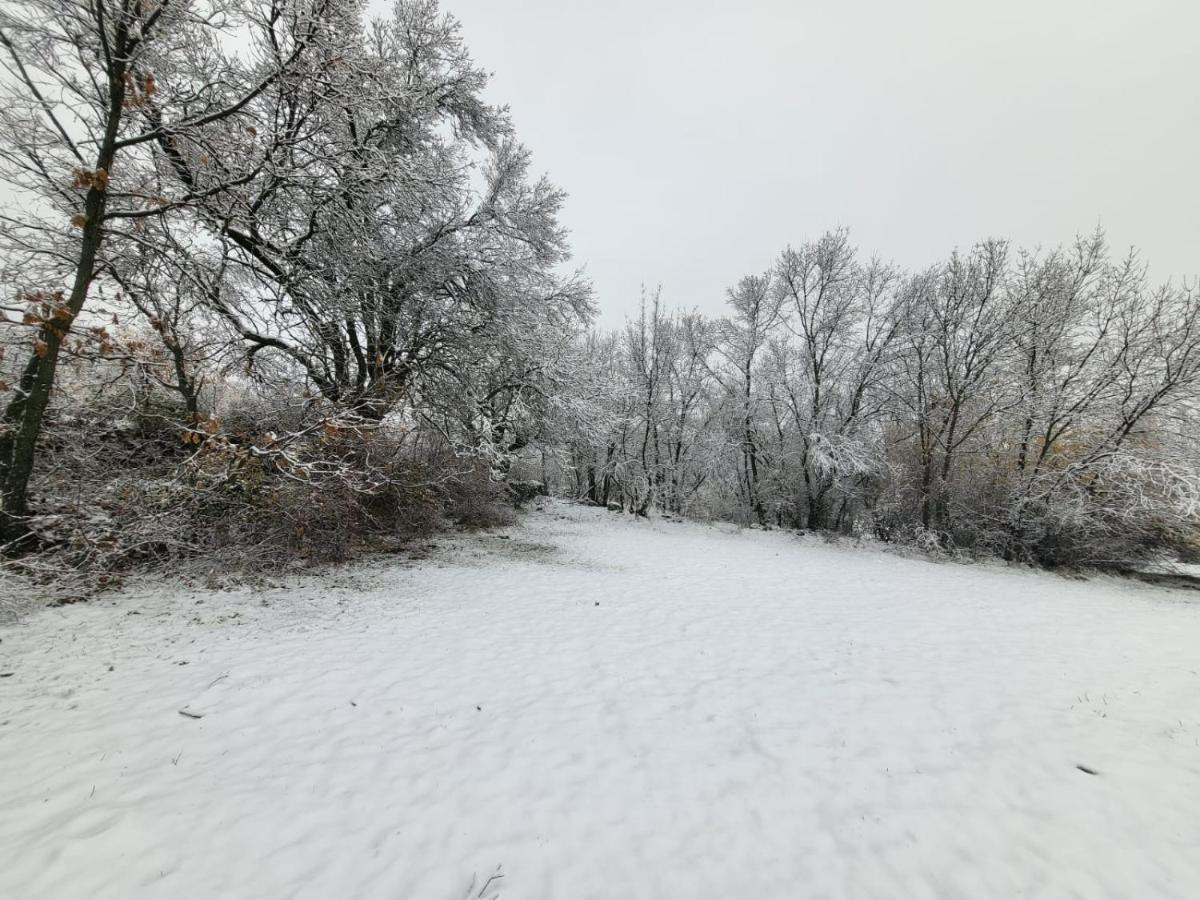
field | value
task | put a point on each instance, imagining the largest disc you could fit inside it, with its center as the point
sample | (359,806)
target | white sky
(698,138)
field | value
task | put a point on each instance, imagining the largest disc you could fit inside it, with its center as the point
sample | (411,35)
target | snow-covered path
(598,707)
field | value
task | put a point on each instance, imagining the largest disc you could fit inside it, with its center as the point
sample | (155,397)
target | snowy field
(591,706)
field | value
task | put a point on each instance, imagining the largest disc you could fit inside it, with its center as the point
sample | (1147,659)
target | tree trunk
(926,488)
(751,451)
(26,413)
(606,483)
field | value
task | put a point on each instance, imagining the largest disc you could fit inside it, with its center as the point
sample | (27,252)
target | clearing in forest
(595,706)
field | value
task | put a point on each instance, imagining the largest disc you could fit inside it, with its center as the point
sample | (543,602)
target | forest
(379,520)
(279,286)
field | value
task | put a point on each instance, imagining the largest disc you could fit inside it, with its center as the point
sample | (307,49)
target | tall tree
(745,334)
(92,92)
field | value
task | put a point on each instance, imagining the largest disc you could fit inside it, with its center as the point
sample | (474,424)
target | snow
(593,706)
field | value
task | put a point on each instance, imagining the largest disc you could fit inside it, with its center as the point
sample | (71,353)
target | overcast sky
(697,139)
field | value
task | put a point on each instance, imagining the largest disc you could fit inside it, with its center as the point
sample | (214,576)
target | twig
(495,877)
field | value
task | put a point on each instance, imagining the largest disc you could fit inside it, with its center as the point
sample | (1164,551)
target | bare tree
(842,315)
(91,90)
(756,313)
(955,332)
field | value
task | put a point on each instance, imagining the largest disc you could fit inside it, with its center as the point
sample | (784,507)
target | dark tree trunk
(26,413)
(593,489)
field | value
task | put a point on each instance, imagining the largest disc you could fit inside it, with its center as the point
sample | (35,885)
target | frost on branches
(1032,405)
(270,256)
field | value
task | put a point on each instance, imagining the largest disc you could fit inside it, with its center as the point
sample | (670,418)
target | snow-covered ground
(591,706)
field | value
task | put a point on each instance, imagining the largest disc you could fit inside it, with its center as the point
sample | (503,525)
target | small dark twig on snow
(495,877)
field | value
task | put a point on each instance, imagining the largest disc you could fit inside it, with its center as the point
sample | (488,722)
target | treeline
(275,277)
(1034,405)
(278,284)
